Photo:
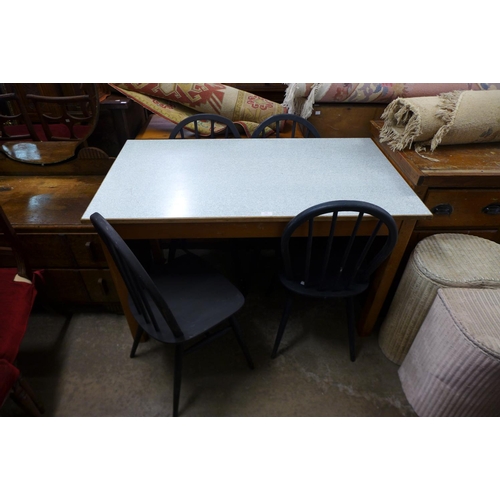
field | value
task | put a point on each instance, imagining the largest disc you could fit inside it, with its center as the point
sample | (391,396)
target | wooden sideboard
(44,205)
(460,185)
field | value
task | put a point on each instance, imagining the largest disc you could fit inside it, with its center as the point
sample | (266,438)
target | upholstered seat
(16,299)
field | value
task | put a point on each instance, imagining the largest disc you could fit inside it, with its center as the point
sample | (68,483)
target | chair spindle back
(337,263)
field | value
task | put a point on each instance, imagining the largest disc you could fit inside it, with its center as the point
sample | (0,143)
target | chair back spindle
(192,122)
(336,264)
(276,122)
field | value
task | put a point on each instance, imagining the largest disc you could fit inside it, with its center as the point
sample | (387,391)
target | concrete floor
(79,365)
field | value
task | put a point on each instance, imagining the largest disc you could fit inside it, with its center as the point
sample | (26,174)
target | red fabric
(16,301)
(8,376)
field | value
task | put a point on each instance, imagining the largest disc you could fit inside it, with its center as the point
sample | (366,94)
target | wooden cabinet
(340,119)
(460,184)
(75,268)
(45,204)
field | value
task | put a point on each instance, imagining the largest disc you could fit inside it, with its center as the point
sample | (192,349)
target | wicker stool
(439,261)
(453,367)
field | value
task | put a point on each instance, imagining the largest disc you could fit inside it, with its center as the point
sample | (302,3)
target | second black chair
(228,126)
(184,301)
(275,122)
(334,265)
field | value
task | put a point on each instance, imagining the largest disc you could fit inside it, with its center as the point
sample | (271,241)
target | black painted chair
(211,130)
(183,301)
(277,122)
(334,265)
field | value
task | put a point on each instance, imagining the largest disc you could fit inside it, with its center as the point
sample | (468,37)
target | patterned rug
(300,97)
(176,101)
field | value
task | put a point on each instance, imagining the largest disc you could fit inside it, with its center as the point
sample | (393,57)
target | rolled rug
(176,101)
(301,97)
(458,117)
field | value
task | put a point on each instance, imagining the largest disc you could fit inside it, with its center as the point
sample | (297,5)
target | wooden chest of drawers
(45,204)
(459,184)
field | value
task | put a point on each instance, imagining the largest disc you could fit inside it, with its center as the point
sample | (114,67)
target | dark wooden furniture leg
(379,289)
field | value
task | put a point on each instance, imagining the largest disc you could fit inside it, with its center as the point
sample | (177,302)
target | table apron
(216,230)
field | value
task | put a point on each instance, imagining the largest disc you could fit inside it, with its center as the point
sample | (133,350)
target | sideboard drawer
(44,251)
(462,208)
(65,286)
(100,286)
(87,250)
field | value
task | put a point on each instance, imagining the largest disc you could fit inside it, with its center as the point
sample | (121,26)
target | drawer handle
(493,209)
(442,209)
(90,247)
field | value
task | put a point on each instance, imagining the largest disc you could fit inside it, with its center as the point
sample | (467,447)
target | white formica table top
(189,180)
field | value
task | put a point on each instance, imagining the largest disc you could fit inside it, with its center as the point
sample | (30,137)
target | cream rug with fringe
(458,117)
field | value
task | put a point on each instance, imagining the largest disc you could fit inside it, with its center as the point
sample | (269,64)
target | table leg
(121,289)
(382,281)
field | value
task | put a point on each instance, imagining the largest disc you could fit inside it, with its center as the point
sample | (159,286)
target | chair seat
(16,301)
(198,296)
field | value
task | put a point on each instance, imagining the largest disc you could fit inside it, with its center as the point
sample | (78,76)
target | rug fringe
(419,149)
(402,123)
(447,111)
(294,100)
(308,106)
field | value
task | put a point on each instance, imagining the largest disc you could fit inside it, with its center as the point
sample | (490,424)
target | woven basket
(439,261)
(453,366)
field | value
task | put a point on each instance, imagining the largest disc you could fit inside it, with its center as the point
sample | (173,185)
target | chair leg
(283,322)
(351,327)
(25,398)
(237,334)
(177,377)
(137,339)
